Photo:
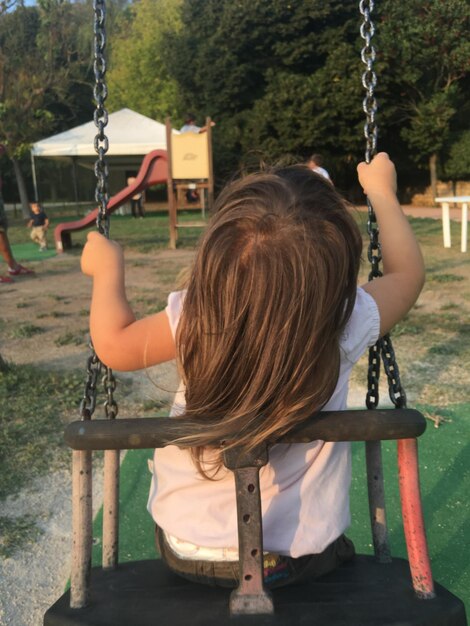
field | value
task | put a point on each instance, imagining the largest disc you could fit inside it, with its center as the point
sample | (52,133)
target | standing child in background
(38,223)
(265,335)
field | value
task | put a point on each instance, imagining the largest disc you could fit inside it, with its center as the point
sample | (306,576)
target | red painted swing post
(413,522)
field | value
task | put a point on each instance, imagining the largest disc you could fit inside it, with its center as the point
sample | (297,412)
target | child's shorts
(279,570)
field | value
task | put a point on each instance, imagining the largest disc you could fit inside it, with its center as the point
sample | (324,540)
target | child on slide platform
(266,333)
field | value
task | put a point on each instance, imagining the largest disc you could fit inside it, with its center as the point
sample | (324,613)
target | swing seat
(368,591)
(361,593)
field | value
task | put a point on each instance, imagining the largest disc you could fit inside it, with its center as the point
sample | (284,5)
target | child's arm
(403,266)
(121,341)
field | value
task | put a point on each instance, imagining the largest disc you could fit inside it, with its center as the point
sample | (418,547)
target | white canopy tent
(130,135)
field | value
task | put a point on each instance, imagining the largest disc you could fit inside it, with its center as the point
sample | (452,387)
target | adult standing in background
(191,127)
(315,163)
(14,268)
(137,200)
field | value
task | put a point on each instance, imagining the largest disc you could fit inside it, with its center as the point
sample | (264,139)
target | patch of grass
(25,331)
(71,338)
(58,298)
(154,405)
(404,328)
(31,428)
(57,314)
(446,349)
(22,305)
(16,532)
(444,278)
(147,299)
(155,308)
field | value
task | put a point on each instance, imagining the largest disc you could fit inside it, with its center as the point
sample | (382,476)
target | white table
(463,200)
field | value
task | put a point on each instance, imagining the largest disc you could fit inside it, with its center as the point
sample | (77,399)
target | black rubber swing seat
(361,593)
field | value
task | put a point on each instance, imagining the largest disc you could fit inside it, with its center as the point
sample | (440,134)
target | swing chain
(88,403)
(383,348)
(100,117)
(109,385)
(395,390)
(101,144)
(369,78)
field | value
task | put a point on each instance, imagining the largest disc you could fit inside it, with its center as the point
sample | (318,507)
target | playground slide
(154,170)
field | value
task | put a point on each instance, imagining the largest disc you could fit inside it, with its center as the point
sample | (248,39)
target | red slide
(154,170)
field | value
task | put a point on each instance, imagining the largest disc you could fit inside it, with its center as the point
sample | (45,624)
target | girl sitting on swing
(265,335)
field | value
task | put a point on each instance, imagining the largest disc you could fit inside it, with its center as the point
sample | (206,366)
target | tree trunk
(21,184)
(433,175)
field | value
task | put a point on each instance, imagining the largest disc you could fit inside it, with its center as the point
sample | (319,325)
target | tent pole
(75,186)
(35,184)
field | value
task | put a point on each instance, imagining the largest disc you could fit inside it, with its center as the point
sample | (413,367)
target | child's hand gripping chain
(398,289)
(121,341)
(102,256)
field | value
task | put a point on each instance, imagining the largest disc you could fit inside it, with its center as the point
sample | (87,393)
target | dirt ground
(56,300)
(45,319)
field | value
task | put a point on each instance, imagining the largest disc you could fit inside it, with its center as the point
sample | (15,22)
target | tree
(271,74)
(426,55)
(456,160)
(42,60)
(138,76)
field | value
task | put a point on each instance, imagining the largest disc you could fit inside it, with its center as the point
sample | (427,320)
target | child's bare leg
(5,250)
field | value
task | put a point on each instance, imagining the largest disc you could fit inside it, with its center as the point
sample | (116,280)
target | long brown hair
(271,289)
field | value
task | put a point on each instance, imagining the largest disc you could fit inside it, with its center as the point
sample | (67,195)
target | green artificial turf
(27,252)
(444,455)
(136,527)
(445,483)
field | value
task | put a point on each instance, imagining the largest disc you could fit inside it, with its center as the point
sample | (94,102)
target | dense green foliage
(284,78)
(457,162)
(280,78)
(426,54)
(277,76)
(138,78)
(46,76)
(43,77)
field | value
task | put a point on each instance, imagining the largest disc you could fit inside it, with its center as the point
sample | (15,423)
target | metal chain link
(109,385)
(100,117)
(88,403)
(383,348)
(101,145)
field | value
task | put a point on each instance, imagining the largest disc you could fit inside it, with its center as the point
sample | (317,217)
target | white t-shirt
(322,171)
(304,487)
(190,128)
